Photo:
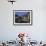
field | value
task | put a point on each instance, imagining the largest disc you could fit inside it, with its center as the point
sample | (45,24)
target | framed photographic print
(22,16)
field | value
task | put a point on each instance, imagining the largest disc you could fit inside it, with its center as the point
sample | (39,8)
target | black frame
(23,23)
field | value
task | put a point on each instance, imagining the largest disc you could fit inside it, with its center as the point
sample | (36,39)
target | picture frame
(22,17)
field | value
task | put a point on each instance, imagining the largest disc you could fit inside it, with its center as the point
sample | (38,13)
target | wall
(38,29)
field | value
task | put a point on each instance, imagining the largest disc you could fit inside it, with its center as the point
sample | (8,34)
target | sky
(21,13)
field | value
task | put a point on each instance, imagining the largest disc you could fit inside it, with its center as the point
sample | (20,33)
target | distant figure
(21,36)
(41,42)
(4,44)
